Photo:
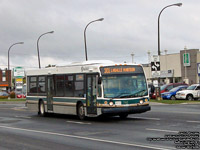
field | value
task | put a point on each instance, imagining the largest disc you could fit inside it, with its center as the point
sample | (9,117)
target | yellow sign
(118,70)
(19,80)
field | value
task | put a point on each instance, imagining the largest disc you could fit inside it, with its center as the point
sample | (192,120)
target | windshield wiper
(134,94)
(119,96)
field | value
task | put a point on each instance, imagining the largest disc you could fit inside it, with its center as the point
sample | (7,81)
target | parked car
(172,93)
(191,93)
(4,94)
(20,95)
(167,88)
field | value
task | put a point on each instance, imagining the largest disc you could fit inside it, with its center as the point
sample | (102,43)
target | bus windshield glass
(124,85)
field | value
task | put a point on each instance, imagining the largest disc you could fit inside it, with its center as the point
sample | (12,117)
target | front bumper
(180,97)
(128,110)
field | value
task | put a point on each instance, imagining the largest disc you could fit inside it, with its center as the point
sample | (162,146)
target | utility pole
(132,55)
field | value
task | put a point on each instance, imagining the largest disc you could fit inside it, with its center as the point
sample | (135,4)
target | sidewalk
(12,102)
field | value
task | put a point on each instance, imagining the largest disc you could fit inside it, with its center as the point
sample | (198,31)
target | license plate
(118,103)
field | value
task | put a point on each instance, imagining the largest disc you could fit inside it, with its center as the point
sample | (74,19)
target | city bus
(88,89)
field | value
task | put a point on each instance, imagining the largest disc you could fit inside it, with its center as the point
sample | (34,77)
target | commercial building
(177,67)
(5,79)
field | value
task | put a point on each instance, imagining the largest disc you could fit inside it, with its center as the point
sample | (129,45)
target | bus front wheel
(81,111)
(41,109)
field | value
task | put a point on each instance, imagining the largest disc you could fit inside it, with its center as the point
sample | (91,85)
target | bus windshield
(124,86)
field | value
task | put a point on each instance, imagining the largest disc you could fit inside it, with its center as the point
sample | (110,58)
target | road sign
(155,66)
(186,59)
(19,72)
(198,69)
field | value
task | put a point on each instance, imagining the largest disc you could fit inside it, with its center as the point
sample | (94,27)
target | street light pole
(38,46)
(101,19)
(177,4)
(9,53)
(9,62)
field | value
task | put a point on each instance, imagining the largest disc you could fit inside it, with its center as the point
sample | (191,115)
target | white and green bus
(88,89)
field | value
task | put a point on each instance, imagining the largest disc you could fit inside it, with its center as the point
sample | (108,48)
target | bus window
(69,82)
(79,86)
(59,85)
(41,84)
(33,85)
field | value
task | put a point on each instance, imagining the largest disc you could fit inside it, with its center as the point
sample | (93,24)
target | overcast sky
(128,26)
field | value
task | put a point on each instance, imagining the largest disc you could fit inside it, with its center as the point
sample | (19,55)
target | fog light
(146,100)
(141,101)
(111,103)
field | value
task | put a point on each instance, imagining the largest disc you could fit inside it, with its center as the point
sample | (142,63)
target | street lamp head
(21,43)
(178,4)
(101,19)
(51,32)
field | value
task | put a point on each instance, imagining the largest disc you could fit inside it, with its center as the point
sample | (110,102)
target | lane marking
(162,130)
(78,122)
(180,112)
(145,118)
(91,139)
(26,117)
(193,121)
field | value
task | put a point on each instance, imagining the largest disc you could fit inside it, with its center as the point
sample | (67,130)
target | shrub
(12,95)
(3,97)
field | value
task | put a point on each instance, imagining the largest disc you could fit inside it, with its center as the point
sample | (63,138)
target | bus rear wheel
(123,116)
(42,109)
(81,111)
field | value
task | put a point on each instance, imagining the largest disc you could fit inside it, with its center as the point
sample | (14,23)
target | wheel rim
(173,98)
(41,108)
(189,97)
(81,111)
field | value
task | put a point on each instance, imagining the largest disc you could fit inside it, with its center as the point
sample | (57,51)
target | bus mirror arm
(99,80)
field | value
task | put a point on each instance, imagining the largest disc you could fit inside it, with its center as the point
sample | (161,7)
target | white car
(192,92)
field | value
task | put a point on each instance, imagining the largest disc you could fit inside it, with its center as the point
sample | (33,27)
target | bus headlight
(141,101)
(111,103)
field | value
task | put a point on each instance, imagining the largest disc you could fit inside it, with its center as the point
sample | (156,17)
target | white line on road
(91,139)
(162,130)
(26,117)
(179,112)
(78,122)
(193,121)
(145,118)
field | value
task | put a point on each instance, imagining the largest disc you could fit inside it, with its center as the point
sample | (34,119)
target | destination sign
(121,69)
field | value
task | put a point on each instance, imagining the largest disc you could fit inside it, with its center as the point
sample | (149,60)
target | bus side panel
(32,105)
(71,110)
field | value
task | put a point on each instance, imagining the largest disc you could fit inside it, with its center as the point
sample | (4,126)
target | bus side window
(69,85)
(79,86)
(59,85)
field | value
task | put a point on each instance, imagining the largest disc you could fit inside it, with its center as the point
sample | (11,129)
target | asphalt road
(21,129)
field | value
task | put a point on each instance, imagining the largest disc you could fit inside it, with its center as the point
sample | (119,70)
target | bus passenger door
(50,89)
(91,94)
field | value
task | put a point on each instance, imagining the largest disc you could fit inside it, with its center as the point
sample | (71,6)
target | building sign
(121,69)
(19,72)
(155,66)
(198,69)
(186,59)
(19,80)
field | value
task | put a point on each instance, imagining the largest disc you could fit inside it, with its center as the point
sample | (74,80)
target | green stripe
(57,99)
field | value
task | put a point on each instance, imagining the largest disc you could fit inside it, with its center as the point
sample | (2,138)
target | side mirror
(99,80)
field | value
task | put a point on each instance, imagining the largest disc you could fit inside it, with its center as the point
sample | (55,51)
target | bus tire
(81,111)
(41,109)
(123,116)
